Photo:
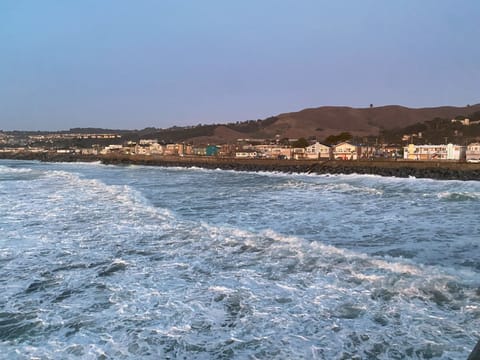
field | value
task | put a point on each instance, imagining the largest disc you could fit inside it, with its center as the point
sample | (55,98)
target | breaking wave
(148,263)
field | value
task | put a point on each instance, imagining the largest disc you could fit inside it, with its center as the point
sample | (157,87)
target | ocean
(129,262)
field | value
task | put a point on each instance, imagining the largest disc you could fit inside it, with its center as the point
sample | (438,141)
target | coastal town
(278,149)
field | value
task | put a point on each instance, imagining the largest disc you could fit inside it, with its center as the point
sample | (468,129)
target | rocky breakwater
(288,166)
(435,170)
(49,156)
(441,170)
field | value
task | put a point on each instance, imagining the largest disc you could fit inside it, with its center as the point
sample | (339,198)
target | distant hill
(316,123)
(326,120)
(320,122)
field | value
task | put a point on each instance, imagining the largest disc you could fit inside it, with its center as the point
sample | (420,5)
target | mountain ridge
(318,123)
(324,121)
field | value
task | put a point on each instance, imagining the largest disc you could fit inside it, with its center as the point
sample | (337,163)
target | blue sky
(132,64)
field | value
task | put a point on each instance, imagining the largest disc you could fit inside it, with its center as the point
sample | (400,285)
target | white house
(318,151)
(148,148)
(466,121)
(473,152)
(273,151)
(345,151)
(434,152)
(111,148)
(246,154)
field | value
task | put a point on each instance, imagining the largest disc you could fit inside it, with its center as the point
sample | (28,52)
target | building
(466,121)
(199,150)
(269,151)
(227,150)
(299,154)
(3,138)
(155,149)
(212,150)
(389,151)
(345,151)
(89,151)
(146,147)
(473,152)
(281,153)
(434,152)
(318,151)
(367,152)
(147,142)
(177,149)
(113,148)
(246,154)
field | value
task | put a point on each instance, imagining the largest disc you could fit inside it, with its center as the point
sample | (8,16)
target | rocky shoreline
(439,170)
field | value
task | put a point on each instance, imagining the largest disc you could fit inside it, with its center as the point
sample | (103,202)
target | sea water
(128,262)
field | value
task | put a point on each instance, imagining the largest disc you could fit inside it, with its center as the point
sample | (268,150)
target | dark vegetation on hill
(437,131)
(335,139)
(252,126)
(91,130)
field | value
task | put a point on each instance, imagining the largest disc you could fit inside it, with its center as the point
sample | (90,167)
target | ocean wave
(9,169)
(459,196)
(112,275)
(329,187)
(220,290)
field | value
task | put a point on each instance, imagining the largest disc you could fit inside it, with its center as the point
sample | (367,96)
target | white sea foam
(128,266)
(9,169)
(298,184)
(459,196)
(221,289)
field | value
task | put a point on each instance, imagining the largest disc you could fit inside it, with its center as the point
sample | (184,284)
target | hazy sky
(138,63)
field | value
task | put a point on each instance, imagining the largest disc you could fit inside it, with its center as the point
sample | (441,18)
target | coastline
(438,170)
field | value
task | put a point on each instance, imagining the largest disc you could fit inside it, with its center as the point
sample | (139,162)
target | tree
(300,143)
(334,139)
(284,141)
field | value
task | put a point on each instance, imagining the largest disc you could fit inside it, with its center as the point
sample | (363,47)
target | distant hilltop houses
(69,136)
(465,121)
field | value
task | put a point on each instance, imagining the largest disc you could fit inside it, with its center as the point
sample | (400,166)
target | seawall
(441,170)
(434,170)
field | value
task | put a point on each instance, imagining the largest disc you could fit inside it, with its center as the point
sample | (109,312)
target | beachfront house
(246,154)
(227,150)
(199,150)
(473,152)
(212,150)
(434,152)
(178,149)
(281,153)
(273,151)
(318,151)
(345,151)
(148,148)
(113,148)
(299,153)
